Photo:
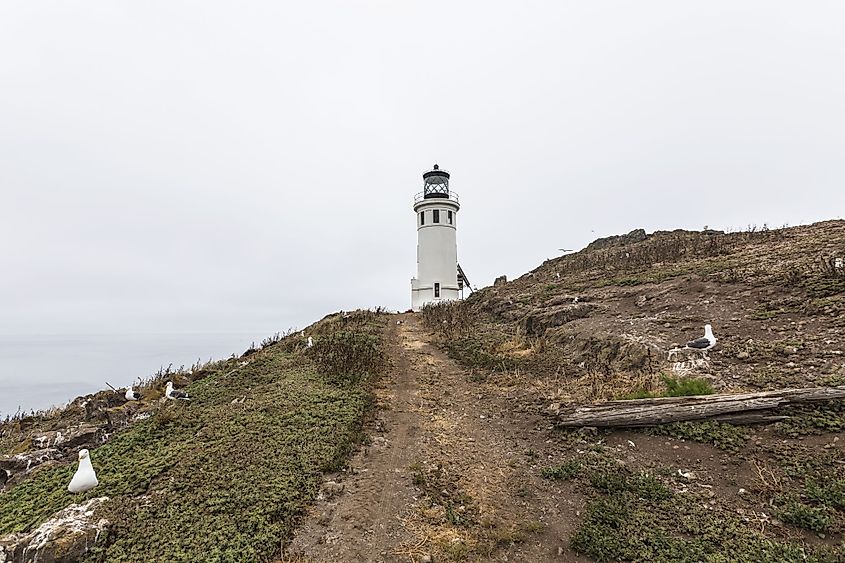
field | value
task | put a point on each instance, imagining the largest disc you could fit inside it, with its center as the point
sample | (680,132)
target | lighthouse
(439,277)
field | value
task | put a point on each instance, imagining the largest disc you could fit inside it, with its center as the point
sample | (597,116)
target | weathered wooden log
(648,412)
(753,417)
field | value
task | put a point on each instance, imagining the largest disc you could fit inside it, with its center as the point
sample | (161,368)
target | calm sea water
(37,372)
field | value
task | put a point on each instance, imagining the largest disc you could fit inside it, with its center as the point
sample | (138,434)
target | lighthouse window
(422,217)
(436,213)
(449,216)
(437,289)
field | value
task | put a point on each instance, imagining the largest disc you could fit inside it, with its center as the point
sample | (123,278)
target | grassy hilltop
(228,476)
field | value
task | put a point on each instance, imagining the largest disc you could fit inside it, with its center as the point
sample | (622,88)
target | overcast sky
(250,166)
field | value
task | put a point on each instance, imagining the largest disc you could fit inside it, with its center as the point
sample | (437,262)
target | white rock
(66,536)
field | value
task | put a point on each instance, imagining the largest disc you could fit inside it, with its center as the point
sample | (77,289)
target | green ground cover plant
(722,435)
(634,516)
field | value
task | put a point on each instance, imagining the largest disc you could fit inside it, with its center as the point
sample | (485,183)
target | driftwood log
(741,408)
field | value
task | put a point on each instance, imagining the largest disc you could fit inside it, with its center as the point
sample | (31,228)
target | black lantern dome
(436,183)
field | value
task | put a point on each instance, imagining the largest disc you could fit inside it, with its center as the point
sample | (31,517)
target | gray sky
(250,166)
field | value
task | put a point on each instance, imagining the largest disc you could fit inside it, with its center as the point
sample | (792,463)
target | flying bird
(84,479)
(132,395)
(172,393)
(704,343)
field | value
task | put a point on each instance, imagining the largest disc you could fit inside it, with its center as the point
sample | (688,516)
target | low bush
(675,387)
(449,319)
(814,518)
(565,471)
(814,419)
(347,356)
(687,386)
(478,352)
(724,436)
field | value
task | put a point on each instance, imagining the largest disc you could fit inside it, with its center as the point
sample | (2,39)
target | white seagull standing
(310,342)
(172,393)
(84,479)
(704,343)
(132,395)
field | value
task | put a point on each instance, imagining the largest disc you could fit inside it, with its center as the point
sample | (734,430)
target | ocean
(41,371)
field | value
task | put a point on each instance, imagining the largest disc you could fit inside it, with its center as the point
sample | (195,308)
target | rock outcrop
(637,235)
(64,538)
(14,467)
(539,320)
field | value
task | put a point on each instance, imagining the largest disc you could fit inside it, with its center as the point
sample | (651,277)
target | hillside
(434,436)
(604,318)
(222,477)
(599,325)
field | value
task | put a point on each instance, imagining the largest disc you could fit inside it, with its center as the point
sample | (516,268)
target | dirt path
(452,473)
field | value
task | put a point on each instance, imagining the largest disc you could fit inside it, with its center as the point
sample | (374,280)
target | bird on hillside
(706,342)
(132,395)
(85,478)
(310,342)
(175,394)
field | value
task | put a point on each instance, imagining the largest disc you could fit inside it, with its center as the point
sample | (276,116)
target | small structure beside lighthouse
(439,277)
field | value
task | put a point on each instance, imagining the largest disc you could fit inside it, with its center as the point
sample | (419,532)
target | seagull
(132,395)
(84,479)
(310,342)
(704,343)
(172,393)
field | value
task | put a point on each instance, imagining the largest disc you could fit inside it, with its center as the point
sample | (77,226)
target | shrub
(687,386)
(647,486)
(565,471)
(827,492)
(347,357)
(675,387)
(814,419)
(722,435)
(609,479)
(478,352)
(448,319)
(816,519)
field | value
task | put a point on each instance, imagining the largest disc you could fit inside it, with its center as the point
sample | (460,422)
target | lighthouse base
(426,293)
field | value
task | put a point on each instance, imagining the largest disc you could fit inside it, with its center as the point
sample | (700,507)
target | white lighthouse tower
(439,277)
